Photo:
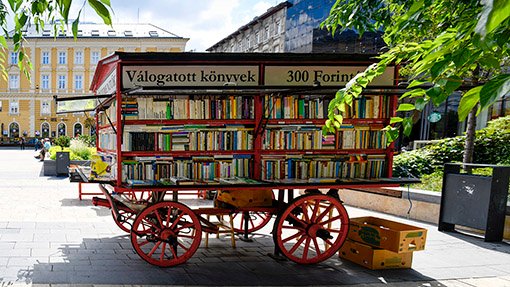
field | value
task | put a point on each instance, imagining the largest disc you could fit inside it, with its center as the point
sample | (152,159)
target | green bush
(491,147)
(80,150)
(89,140)
(415,163)
(63,141)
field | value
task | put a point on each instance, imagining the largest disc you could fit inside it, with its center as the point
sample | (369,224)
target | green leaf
(338,118)
(494,13)
(65,6)
(106,2)
(405,108)
(394,120)
(438,68)
(74,27)
(421,103)
(468,102)
(3,42)
(391,134)
(408,126)
(415,83)
(452,84)
(101,10)
(494,89)
(413,93)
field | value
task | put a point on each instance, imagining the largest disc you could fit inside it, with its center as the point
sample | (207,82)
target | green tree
(40,13)
(443,44)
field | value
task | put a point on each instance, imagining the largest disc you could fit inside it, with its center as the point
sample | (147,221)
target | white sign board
(108,85)
(319,75)
(175,76)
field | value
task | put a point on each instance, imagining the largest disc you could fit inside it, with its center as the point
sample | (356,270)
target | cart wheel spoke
(319,232)
(170,244)
(256,220)
(128,214)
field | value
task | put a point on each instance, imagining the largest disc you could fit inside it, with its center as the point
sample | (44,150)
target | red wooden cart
(164,231)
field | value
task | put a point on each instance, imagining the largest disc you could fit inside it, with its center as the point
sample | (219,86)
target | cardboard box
(374,258)
(387,234)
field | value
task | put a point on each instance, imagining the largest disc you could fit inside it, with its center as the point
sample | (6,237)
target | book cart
(171,123)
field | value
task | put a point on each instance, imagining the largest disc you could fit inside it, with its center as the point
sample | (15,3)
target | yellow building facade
(63,66)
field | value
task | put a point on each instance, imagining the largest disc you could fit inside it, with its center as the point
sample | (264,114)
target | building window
(14,58)
(278,27)
(266,32)
(248,42)
(14,130)
(94,58)
(61,129)
(14,82)
(0,106)
(78,82)
(45,108)
(45,58)
(78,58)
(257,37)
(62,58)
(78,129)
(14,107)
(45,128)
(45,82)
(62,82)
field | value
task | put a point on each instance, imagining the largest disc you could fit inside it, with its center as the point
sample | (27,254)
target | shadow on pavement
(113,261)
(478,240)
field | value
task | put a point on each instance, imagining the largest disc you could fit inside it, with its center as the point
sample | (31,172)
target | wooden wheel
(256,220)
(166,234)
(311,228)
(128,214)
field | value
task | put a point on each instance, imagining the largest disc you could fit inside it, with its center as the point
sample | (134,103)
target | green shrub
(80,150)
(415,163)
(89,140)
(63,141)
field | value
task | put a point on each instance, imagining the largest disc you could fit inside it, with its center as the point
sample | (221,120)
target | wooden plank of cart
(211,118)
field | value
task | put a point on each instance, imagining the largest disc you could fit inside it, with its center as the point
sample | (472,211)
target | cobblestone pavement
(49,237)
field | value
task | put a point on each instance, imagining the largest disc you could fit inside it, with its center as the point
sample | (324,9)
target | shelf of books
(180,123)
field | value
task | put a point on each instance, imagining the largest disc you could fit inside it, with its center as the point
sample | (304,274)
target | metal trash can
(63,161)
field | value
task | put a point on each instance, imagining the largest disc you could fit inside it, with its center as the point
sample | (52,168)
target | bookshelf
(171,119)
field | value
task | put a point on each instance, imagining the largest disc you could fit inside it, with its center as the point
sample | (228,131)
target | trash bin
(474,201)
(63,161)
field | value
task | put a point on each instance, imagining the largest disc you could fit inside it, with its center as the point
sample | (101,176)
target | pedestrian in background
(22,143)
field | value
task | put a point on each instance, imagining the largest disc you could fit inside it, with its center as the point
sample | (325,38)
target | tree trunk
(469,144)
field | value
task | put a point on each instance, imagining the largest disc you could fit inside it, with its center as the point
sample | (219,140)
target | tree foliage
(443,43)
(40,13)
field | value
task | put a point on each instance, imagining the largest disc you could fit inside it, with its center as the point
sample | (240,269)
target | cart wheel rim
(129,216)
(311,229)
(166,234)
(256,220)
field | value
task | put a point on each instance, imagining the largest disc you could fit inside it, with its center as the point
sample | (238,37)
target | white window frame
(14,56)
(13,82)
(94,57)
(13,107)
(62,57)
(78,58)
(45,107)
(78,79)
(45,58)
(62,82)
(45,82)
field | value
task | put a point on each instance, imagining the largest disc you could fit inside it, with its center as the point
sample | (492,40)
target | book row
(316,107)
(352,166)
(190,107)
(194,168)
(311,137)
(198,140)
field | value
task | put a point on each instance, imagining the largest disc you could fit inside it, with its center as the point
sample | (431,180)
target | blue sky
(205,22)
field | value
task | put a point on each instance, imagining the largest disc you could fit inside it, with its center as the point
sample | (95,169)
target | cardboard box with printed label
(387,234)
(374,258)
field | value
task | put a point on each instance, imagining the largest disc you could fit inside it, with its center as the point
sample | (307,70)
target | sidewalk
(48,236)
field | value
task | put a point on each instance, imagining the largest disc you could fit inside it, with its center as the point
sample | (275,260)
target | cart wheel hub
(167,233)
(312,230)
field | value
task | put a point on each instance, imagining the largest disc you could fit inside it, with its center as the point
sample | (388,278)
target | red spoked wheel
(166,234)
(139,201)
(311,229)
(256,220)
